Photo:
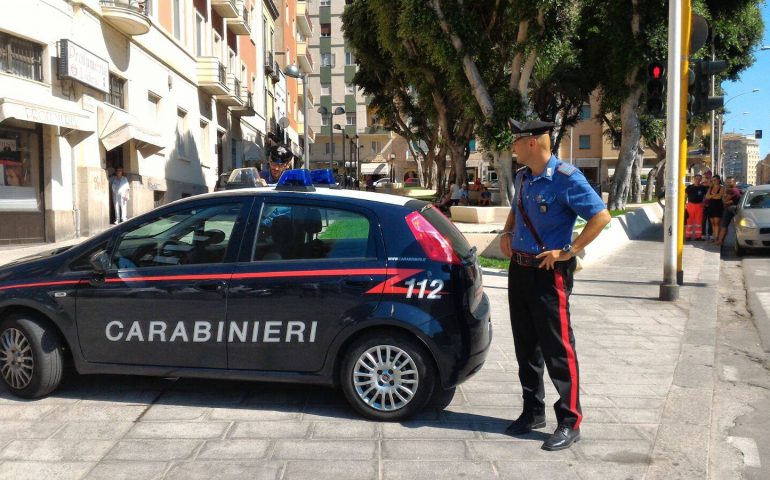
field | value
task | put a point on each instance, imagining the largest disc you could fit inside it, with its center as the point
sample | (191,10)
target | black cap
(533,128)
(280,154)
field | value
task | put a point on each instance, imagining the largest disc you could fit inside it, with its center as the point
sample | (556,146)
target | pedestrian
(279,160)
(695,194)
(486,196)
(120,192)
(464,195)
(455,194)
(705,223)
(714,206)
(730,201)
(537,237)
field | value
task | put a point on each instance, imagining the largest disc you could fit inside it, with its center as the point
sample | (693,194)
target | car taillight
(435,246)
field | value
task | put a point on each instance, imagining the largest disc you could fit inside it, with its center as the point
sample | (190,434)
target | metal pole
(343,157)
(685,52)
(305,143)
(331,126)
(714,158)
(669,290)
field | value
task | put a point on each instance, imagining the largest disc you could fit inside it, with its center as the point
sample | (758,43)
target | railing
(269,62)
(222,73)
(245,14)
(237,88)
(140,6)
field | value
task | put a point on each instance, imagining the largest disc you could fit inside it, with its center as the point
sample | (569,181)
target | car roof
(319,193)
(759,188)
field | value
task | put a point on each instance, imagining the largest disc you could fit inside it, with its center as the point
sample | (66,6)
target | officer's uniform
(539,298)
(279,154)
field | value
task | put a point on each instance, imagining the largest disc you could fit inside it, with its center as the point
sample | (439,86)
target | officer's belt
(525,259)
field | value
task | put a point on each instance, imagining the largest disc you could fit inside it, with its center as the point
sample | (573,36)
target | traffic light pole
(684,95)
(669,289)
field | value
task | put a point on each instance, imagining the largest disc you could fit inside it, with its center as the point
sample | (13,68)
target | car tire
(739,251)
(31,356)
(376,360)
(442,397)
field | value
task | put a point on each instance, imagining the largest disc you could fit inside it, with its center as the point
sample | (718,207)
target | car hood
(31,266)
(760,215)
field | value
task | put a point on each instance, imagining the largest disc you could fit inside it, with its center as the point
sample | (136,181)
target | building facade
(173,91)
(763,171)
(740,157)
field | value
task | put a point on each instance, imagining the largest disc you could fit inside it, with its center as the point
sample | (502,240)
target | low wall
(615,235)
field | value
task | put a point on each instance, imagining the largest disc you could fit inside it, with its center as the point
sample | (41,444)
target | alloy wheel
(16,362)
(385,377)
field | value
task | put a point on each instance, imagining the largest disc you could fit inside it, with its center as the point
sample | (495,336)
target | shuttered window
(21,57)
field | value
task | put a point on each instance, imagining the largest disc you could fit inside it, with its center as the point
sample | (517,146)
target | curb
(758,301)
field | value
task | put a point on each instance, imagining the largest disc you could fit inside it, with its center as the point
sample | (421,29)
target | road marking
(748,448)
(764,299)
(730,373)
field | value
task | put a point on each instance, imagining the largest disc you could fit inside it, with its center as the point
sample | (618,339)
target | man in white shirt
(120,189)
(455,194)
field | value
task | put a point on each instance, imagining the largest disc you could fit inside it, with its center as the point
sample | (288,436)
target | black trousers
(542,334)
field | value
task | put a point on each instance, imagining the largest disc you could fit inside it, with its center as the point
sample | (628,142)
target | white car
(752,220)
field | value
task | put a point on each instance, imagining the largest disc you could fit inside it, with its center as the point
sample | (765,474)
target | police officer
(549,196)
(279,160)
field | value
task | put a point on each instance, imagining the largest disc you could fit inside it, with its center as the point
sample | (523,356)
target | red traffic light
(656,71)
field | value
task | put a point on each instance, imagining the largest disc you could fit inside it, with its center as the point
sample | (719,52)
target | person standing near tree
(730,200)
(120,192)
(537,237)
(696,194)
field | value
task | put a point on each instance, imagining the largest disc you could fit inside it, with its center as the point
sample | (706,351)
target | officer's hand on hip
(505,245)
(550,258)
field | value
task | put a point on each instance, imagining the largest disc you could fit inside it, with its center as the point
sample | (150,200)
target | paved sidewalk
(646,386)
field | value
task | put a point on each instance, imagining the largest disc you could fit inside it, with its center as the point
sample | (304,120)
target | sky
(737,101)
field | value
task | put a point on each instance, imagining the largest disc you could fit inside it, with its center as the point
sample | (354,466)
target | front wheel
(31,358)
(387,376)
(739,251)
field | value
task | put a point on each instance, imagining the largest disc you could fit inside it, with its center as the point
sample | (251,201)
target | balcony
(247,109)
(301,95)
(303,19)
(305,60)
(126,15)
(275,73)
(269,62)
(212,77)
(233,97)
(225,8)
(240,24)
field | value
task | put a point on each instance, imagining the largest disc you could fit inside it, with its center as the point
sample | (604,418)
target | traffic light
(704,70)
(656,87)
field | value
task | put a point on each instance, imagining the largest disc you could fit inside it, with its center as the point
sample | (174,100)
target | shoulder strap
(524,215)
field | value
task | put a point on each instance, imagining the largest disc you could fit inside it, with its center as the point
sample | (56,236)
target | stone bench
(468,214)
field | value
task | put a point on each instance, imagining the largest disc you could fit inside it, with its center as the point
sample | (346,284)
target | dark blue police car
(378,294)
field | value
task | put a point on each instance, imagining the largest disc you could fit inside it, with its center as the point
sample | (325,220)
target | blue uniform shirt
(265,174)
(553,200)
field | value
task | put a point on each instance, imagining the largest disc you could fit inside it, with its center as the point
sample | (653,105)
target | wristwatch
(567,248)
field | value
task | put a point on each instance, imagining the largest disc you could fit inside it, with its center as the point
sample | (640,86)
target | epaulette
(566,169)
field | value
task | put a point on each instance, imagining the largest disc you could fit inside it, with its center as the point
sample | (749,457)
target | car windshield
(757,199)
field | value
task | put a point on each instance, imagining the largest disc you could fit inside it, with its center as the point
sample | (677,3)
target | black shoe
(562,438)
(526,422)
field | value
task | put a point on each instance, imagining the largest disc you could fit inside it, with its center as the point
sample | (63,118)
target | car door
(163,302)
(306,272)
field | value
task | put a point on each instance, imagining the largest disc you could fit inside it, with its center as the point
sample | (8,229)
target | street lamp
(325,113)
(337,126)
(392,167)
(293,71)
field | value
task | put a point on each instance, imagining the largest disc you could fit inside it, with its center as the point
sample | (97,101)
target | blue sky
(756,104)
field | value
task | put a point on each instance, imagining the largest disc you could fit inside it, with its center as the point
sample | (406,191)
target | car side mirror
(100,262)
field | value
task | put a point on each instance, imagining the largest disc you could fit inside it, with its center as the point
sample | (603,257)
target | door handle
(211,286)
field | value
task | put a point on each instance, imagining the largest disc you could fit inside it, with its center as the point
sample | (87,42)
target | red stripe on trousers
(571,362)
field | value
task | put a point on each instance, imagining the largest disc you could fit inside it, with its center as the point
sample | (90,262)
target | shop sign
(77,63)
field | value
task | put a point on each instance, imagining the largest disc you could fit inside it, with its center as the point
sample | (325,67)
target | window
(21,58)
(190,236)
(200,29)
(325,3)
(585,142)
(325,121)
(116,97)
(181,133)
(326,30)
(350,59)
(585,112)
(330,148)
(153,106)
(350,89)
(177,6)
(326,89)
(327,60)
(375,148)
(299,232)
(205,143)
(350,119)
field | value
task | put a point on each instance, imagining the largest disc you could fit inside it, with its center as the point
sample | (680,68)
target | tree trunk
(503,161)
(636,172)
(652,180)
(631,133)
(440,162)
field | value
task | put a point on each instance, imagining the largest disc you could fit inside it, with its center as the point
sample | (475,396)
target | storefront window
(19,153)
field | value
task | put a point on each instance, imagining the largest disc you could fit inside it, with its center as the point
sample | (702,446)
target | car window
(294,232)
(193,235)
(757,199)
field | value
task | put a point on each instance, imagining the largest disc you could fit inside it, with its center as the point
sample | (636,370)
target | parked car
(752,220)
(377,294)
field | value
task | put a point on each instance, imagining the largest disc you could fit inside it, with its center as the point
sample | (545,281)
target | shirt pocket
(546,203)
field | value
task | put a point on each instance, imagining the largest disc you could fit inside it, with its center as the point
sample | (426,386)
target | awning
(117,128)
(375,169)
(10,108)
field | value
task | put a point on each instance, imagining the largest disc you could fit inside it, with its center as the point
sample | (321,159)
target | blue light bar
(323,177)
(298,180)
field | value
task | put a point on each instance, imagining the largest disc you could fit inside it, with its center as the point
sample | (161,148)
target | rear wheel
(387,376)
(31,358)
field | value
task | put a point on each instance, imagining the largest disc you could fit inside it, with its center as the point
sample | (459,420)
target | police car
(378,294)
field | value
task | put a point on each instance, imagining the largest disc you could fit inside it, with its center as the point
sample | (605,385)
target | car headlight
(747,223)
